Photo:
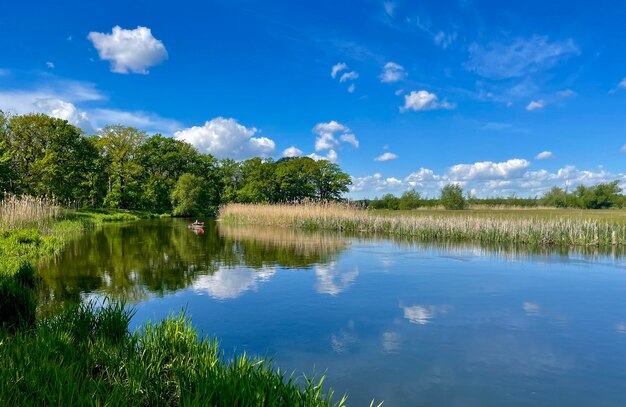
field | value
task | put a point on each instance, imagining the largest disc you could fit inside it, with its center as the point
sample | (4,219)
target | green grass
(87,356)
(115,215)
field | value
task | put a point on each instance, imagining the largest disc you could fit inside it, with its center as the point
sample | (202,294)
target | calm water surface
(411,324)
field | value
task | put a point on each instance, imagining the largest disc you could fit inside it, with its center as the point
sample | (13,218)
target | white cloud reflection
(331,280)
(230,283)
(423,314)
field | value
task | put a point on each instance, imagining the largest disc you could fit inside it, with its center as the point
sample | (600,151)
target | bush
(452,197)
(409,200)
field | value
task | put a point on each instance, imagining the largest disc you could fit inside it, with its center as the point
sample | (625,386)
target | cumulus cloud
(292,151)
(488,170)
(484,179)
(129,50)
(393,72)
(519,57)
(423,100)
(536,105)
(329,136)
(386,157)
(622,84)
(331,156)
(337,68)
(225,138)
(351,88)
(63,110)
(544,155)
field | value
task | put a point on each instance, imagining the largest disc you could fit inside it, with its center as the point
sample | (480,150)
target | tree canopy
(123,167)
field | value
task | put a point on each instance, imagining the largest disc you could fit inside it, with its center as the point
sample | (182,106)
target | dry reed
(498,230)
(24,212)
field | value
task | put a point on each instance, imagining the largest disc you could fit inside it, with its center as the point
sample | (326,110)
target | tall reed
(25,212)
(495,230)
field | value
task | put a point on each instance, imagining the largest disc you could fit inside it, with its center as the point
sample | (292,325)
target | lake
(408,323)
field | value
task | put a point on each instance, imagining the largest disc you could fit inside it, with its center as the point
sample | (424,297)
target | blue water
(410,324)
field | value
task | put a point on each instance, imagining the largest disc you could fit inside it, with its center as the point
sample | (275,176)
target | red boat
(195,225)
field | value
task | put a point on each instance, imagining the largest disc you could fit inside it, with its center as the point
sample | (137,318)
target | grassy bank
(87,356)
(30,229)
(560,228)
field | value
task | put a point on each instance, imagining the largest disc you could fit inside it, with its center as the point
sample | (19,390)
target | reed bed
(25,212)
(458,227)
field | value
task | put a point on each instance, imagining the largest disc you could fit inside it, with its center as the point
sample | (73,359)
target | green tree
(163,160)
(120,147)
(556,197)
(452,197)
(258,181)
(294,179)
(409,200)
(188,196)
(47,157)
(5,156)
(330,182)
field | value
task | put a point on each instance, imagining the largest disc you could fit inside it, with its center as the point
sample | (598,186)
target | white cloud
(225,138)
(623,149)
(337,68)
(536,105)
(349,76)
(386,157)
(393,72)
(444,40)
(423,100)
(326,138)
(544,155)
(149,122)
(62,110)
(622,84)
(351,88)
(50,64)
(488,170)
(129,50)
(350,139)
(484,179)
(292,151)
(519,57)
(331,156)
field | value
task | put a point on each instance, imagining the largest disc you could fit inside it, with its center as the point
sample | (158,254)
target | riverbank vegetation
(87,356)
(513,227)
(123,168)
(599,196)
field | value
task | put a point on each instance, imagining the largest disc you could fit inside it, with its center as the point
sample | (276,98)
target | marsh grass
(489,228)
(87,356)
(26,212)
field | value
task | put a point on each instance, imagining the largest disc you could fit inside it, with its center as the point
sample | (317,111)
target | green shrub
(452,197)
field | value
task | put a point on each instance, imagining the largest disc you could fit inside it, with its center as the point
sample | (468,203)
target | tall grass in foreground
(495,230)
(87,356)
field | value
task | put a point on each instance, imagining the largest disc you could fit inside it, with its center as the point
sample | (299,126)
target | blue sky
(502,98)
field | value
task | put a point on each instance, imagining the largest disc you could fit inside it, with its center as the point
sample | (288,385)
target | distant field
(607,215)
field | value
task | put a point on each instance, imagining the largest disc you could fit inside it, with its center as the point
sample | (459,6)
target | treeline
(123,167)
(599,196)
